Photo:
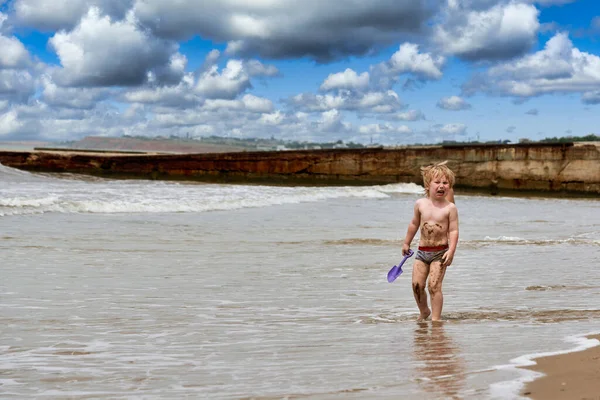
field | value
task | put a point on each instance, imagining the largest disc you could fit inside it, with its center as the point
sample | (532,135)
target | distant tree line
(272,142)
(566,139)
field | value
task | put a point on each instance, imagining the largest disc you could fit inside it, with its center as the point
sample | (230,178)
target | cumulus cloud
(273,119)
(533,111)
(13,54)
(235,118)
(177,96)
(408,59)
(233,80)
(558,68)
(9,123)
(228,84)
(84,98)
(501,32)
(449,129)
(53,15)
(348,79)
(370,93)
(209,87)
(16,85)
(384,129)
(453,103)
(256,68)
(103,52)
(257,104)
(592,97)
(320,30)
(369,102)
(331,121)
(19,123)
(410,115)
(511,129)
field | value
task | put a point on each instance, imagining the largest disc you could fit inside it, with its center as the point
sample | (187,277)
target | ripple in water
(535,316)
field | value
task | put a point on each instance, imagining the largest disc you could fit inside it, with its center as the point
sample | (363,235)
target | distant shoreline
(553,170)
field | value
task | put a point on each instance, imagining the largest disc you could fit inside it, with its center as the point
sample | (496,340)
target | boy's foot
(424,315)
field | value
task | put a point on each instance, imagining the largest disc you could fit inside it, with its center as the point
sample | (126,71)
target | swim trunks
(430,254)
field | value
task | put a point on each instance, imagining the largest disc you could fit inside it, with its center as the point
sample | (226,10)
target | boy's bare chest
(434,215)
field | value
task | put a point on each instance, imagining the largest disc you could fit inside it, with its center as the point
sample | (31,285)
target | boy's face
(439,186)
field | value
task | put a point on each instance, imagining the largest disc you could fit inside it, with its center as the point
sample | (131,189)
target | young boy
(437,219)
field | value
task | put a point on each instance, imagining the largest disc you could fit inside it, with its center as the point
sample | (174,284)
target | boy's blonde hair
(432,171)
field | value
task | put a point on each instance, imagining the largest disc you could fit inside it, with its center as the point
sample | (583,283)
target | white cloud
(408,59)
(384,129)
(257,104)
(321,30)
(369,102)
(210,60)
(16,85)
(331,121)
(500,32)
(411,115)
(177,96)
(451,129)
(85,98)
(453,103)
(558,68)
(233,80)
(274,118)
(53,15)
(171,73)
(228,84)
(103,52)
(9,123)
(592,97)
(348,79)
(256,68)
(13,53)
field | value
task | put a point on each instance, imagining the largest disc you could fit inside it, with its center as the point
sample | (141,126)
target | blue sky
(388,71)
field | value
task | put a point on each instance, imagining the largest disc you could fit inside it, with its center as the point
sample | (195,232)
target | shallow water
(128,289)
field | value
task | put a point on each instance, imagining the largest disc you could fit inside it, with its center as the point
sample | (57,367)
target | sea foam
(25,193)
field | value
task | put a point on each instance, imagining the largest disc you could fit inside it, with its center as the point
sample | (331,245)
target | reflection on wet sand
(439,366)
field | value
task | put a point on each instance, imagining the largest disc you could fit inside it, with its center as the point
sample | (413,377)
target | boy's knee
(434,288)
(417,287)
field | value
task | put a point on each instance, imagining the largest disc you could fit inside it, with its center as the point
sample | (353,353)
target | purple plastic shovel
(397,269)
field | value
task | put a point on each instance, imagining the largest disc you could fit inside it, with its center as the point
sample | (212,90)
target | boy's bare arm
(452,237)
(413,227)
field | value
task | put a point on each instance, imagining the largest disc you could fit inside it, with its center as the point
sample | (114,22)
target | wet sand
(571,376)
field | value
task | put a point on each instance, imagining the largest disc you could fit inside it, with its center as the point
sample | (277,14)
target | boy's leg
(419,277)
(436,276)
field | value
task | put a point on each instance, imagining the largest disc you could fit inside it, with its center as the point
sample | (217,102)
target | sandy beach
(571,376)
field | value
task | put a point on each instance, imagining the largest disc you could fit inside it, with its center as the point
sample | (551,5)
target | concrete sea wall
(558,168)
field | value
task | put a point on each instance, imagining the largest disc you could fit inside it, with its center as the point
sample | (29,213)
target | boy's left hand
(447,259)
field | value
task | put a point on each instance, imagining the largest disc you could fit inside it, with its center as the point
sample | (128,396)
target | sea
(133,289)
